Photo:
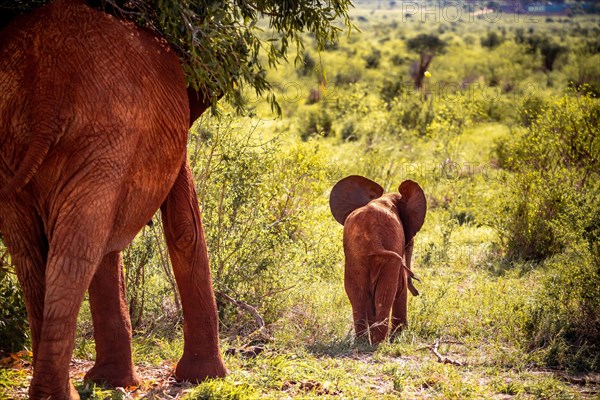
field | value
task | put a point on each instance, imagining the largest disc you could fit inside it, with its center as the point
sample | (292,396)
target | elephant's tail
(411,275)
(34,157)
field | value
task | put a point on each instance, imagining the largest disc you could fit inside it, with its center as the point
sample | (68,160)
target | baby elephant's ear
(412,208)
(351,193)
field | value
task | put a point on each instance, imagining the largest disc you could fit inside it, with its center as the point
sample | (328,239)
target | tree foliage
(227,45)
(427,45)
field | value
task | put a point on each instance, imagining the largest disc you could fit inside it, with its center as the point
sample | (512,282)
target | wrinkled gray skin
(93,129)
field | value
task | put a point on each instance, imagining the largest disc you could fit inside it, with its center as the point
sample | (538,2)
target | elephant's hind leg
(384,284)
(67,276)
(187,247)
(76,247)
(112,327)
(356,283)
(399,309)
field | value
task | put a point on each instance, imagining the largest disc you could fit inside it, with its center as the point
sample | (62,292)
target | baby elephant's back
(373,228)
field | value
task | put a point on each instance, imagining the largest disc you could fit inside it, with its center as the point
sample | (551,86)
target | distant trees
(550,52)
(427,46)
(491,40)
(547,48)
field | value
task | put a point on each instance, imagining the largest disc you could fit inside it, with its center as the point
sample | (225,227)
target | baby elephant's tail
(411,275)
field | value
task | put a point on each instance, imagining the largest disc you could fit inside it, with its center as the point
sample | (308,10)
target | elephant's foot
(379,332)
(113,375)
(398,325)
(40,392)
(194,369)
(378,336)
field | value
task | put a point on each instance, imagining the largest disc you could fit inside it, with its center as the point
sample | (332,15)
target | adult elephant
(378,244)
(94,118)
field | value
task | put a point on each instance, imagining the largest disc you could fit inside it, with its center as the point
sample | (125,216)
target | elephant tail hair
(34,157)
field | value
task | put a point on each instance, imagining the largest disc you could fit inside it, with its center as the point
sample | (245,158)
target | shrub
(531,109)
(348,74)
(557,163)
(584,75)
(316,123)
(553,219)
(257,211)
(451,118)
(348,132)
(411,112)
(308,65)
(398,59)
(392,89)
(565,324)
(491,40)
(372,59)
(14,329)
(154,305)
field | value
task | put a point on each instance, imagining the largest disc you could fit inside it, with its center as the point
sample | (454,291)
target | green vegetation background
(504,139)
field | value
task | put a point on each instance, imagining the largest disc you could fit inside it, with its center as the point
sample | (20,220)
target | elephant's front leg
(187,247)
(112,327)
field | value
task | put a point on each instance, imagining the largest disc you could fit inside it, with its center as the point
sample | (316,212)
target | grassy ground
(405,369)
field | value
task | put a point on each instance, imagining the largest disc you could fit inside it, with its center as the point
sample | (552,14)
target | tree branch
(442,359)
(245,306)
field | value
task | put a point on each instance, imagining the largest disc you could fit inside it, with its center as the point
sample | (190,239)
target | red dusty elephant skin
(378,243)
(94,118)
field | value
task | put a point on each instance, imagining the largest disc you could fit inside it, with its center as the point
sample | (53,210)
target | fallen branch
(442,359)
(245,306)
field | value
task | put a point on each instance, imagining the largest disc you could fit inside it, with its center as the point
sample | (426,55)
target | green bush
(411,112)
(529,112)
(347,74)
(348,132)
(373,59)
(308,65)
(556,185)
(316,123)
(491,40)
(565,323)
(584,75)
(552,219)
(257,204)
(391,90)
(14,329)
(154,305)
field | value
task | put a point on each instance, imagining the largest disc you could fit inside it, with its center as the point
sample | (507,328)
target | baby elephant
(378,244)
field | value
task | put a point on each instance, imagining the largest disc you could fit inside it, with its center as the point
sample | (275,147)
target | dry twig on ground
(442,359)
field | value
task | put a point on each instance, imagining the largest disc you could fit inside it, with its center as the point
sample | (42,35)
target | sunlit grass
(12,380)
